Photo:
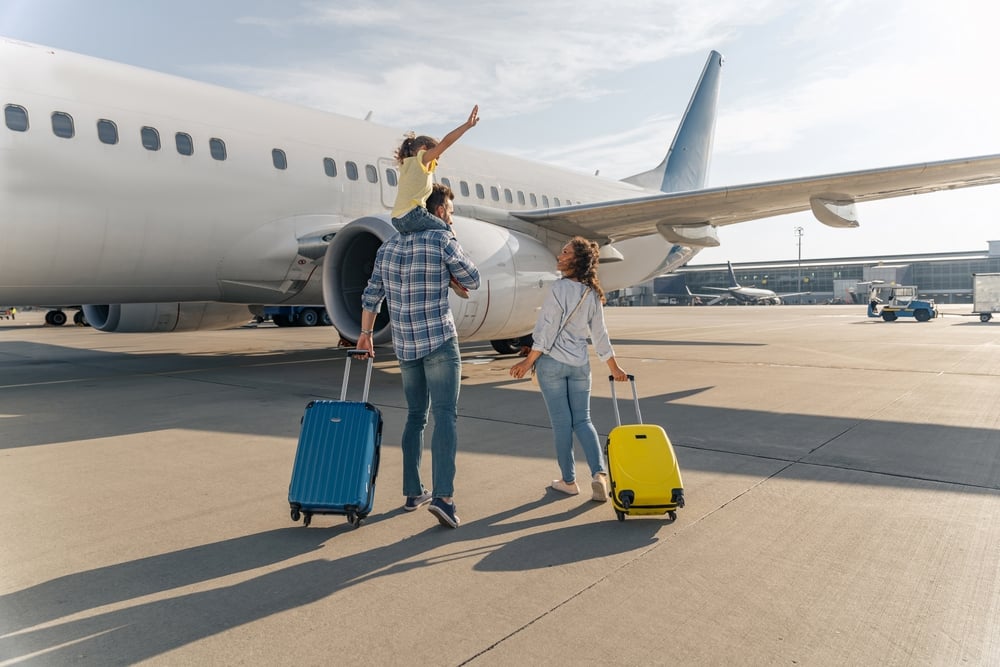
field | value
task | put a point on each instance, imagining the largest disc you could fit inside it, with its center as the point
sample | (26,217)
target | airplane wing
(831,198)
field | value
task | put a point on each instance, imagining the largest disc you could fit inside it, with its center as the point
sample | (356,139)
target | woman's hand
(521,368)
(616,371)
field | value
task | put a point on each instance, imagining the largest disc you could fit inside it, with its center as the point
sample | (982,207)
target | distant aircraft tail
(685,166)
(733,284)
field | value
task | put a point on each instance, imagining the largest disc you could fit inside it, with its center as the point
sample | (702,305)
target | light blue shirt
(587,322)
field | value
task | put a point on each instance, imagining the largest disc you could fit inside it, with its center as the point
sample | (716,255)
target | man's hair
(440,193)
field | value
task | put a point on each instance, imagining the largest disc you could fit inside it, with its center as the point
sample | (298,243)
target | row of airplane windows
(16,118)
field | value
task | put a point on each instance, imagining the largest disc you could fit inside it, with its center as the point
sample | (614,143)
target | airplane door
(389,180)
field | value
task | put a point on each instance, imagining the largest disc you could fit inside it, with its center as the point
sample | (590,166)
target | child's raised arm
(452,137)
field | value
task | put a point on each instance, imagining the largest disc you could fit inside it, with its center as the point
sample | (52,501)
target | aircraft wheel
(56,318)
(507,345)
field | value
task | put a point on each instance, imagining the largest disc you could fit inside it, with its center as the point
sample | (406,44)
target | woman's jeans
(432,381)
(566,390)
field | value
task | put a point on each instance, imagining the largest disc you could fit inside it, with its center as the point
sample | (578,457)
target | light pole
(798,236)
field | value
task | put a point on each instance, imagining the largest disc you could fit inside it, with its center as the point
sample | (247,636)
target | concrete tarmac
(842,478)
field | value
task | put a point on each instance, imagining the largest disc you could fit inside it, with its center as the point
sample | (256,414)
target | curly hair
(412,144)
(586,255)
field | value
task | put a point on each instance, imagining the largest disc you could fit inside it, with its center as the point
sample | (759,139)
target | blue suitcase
(336,461)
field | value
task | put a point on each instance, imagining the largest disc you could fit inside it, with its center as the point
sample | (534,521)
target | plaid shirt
(412,272)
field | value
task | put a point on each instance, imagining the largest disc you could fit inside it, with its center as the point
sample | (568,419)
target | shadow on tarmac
(152,628)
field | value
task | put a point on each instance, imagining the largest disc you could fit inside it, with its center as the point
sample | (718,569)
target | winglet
(685,166)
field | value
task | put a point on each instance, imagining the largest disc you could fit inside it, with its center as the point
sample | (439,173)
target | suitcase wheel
(307,519)
(295,514)
(673,515)
(620,514)
(354,518)
(626,498)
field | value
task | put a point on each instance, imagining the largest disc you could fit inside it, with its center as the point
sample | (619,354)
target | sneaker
(458,288)
(445,513)
(570,489)
(600,487)
(413,502)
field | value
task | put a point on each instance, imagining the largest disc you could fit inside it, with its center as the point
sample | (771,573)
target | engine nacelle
(150,317)
(515,269)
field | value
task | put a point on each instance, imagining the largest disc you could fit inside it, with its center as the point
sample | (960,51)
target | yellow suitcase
(642,467)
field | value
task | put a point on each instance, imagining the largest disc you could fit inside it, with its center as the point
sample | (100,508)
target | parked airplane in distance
(164,204)
(748,295)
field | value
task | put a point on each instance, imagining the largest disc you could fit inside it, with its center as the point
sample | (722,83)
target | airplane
(748,295)
(165,204)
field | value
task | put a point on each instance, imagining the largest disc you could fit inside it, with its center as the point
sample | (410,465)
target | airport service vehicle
(292,316)
(985,295)
(899,301)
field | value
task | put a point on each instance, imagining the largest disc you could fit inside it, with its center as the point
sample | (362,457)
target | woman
(572,312)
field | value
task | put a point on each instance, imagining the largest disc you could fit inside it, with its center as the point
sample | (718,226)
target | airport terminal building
(944,277)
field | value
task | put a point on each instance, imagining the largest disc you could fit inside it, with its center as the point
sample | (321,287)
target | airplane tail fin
(685,166)
(732,275)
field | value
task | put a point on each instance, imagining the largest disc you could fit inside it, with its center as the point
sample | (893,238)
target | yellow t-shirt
(416,180)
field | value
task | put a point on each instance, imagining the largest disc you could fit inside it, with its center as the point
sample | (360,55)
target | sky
(808,88)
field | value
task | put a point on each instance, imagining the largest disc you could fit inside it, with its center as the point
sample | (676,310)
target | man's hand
(365,343)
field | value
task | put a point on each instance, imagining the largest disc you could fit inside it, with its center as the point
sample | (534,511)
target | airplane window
(107,131)
(352,171)
(480,192)
(464,187)
(184,144)
(150,138)
(446,182)
(330,167)
(62,125)
(16,118)
(371,173)
(534,200)
(555,200)
(520,198)
(545,201)
(217,147)
(508,197)
(279,159)
(494,193)
(390,177)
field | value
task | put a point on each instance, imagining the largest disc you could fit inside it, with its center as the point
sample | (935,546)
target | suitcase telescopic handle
(347,373)
(614,399)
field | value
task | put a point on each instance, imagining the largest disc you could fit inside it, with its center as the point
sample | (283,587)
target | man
(412,272)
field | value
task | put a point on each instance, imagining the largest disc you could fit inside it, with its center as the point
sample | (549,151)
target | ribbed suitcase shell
(642,467)
(337,458)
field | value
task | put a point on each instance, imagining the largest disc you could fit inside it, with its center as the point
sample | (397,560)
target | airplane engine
(515,272)
(150,317)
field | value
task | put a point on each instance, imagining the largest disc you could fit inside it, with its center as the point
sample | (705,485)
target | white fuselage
(84,221)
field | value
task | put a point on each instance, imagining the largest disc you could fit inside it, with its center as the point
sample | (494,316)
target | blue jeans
(432,381)
(566,390)
(417,220)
